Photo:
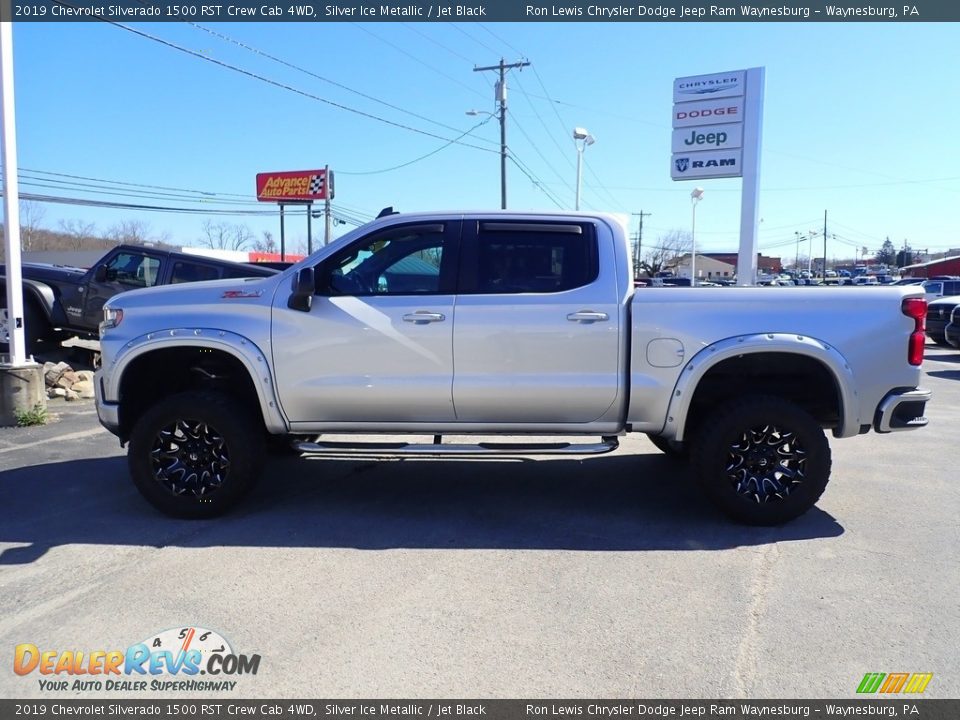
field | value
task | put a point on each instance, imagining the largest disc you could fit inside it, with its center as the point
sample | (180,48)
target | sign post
(716,134)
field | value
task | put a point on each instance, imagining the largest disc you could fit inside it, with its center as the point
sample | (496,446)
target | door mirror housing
(100,273)
(302,290)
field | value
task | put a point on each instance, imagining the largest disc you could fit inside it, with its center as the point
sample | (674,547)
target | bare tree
(78,233)
(666,250)
(224,236)
(267,244)
(134,232)
(31,214)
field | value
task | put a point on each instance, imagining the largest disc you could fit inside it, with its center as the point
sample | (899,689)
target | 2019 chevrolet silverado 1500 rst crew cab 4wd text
(502,323)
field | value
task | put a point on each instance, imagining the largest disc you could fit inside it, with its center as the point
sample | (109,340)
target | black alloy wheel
(762,460)
(196,454)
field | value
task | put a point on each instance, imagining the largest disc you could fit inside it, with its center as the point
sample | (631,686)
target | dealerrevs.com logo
(179,659)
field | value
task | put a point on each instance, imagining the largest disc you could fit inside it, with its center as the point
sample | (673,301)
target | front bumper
(952,334)
(109,413)
(902,410)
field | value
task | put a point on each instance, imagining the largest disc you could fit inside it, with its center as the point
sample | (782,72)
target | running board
(607,444)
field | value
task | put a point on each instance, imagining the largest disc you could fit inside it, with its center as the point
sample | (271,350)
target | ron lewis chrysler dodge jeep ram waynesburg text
(509,324)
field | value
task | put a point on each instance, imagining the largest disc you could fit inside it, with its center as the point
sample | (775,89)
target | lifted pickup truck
(62,300)
(502,323)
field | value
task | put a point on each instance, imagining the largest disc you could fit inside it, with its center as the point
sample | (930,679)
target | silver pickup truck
(502,323)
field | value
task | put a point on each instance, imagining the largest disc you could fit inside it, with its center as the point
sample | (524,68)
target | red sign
(296,185)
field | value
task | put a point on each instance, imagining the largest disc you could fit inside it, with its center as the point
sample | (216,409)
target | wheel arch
(162,363)
(805,370)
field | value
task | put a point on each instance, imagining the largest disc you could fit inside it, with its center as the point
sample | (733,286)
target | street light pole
(695,197)
(585,139)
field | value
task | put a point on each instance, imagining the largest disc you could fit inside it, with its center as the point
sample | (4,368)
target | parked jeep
(60,300)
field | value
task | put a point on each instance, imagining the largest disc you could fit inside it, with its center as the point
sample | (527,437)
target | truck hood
(47,272)
(237,290)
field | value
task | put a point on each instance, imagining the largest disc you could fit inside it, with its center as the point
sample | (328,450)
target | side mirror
(302,289)
(100,274)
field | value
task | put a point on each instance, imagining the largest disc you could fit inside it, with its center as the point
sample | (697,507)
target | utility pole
(636,259)
(501,97)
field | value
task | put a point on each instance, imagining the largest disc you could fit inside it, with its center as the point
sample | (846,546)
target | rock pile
(65,382)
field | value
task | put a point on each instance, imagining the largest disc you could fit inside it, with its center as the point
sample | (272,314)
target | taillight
(916,308)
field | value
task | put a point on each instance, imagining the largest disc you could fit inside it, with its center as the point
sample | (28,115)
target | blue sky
(859,120)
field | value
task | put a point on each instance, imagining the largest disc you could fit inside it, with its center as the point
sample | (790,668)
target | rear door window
(184,272)
(516,257)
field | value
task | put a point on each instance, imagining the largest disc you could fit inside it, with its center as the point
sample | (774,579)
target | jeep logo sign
(712,137)
(699,165)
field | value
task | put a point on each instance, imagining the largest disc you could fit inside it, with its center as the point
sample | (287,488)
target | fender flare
(39,292)
(710,356)
(253,359)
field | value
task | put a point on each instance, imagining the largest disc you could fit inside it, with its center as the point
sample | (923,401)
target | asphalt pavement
(588,578)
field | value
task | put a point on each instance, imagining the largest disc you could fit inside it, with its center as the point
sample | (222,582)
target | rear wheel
(762,460)
(941,341)
(195,455)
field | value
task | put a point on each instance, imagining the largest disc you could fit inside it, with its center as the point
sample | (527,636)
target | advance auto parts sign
(294,185)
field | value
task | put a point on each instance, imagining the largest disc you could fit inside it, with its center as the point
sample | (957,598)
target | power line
(533,179)
(422,157)
(417,60)
(132,184)
(151,208)
(310,73)
(276,83)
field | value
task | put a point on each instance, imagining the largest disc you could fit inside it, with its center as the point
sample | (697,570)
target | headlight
(112,316)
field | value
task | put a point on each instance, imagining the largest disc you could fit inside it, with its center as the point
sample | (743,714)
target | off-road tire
(36,327)
(196,454)
(746,452)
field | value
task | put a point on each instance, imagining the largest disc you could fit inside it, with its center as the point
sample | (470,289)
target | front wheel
(762,460)
(195,455)
(35,327)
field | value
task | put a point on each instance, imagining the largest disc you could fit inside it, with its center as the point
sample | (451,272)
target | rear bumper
(902,410)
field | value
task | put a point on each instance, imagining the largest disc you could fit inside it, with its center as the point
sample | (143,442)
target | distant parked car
(866,280)
(938,317)
(952,331)
(909,281)
(941,288)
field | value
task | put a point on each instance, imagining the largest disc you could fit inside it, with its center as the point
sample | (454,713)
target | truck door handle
(587,316)
(422,317)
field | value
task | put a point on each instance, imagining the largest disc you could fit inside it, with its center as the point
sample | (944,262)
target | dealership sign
(711,137)
(707,117)
(717,125)
(698,165)
(703,87)
(294,186)
(707,112)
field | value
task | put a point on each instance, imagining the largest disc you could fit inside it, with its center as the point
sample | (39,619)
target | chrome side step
(607,444)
